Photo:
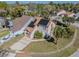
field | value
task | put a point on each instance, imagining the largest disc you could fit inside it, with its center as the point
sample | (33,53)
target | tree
(17,11)
(63,32)
(47,9)
(39,8)
(68,20)
(3,5)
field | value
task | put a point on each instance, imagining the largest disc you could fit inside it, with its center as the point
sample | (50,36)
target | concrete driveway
(20,45)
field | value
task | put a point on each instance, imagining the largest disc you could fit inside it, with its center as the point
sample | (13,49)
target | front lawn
(45,46)
(65,53)
(42,46)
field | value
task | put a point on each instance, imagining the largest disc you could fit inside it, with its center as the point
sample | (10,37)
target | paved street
(76,54)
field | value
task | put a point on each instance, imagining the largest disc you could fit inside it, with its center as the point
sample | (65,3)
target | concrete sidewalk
(11,55)
(21,44)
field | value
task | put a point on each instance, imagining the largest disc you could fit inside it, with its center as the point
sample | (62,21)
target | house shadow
(50,39)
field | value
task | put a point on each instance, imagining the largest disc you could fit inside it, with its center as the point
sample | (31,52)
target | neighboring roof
(61,12)
(2,10)
(2,21)
(43,22)
(18,23)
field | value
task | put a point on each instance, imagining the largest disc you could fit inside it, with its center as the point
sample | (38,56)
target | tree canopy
(63,32)
(3,5)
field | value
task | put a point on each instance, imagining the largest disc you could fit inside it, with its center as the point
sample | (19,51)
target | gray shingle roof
(18,23)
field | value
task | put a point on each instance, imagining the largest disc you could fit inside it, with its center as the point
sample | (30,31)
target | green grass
(69,51)
(3,33)
(47,47)
(63,42)
(44,46)
(12,41)
(65,53)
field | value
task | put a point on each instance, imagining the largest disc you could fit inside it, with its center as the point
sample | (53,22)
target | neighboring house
(2,22)
(70,14)
(64,13)
(61,13)
(57,18)
(2,11)
(20,24)
(9,22)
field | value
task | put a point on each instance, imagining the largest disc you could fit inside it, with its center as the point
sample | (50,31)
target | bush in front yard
(38,35)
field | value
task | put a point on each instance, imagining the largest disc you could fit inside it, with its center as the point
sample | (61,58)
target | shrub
(38,35)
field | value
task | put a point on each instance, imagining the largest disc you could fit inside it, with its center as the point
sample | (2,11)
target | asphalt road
(76,54)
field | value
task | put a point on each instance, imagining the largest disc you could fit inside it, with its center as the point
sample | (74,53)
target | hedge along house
(20,24)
